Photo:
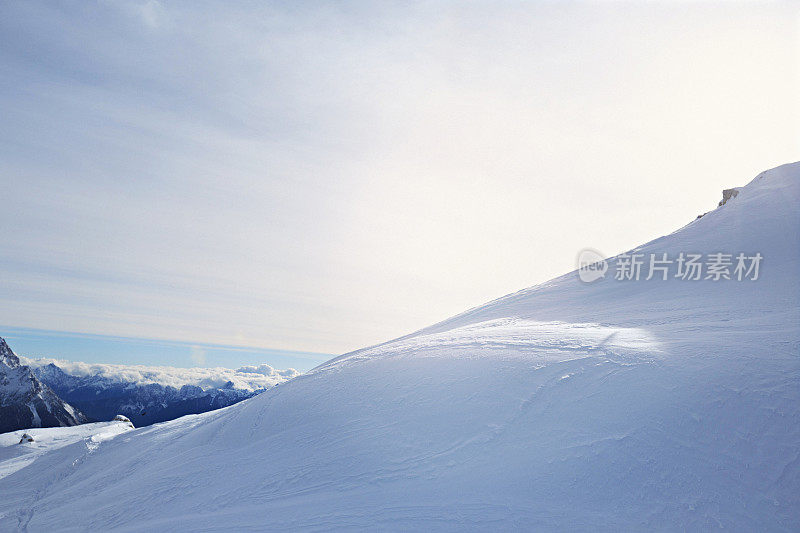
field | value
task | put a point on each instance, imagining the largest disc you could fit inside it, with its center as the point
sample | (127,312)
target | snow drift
(18,449)
(568,406)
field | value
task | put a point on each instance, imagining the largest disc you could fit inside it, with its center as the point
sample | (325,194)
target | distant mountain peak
(7,355)
(25,401)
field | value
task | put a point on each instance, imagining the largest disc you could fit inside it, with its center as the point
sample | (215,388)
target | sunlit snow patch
(543,342)
(15,455)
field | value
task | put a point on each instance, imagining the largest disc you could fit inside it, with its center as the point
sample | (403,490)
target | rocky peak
(728,194)
(25,401)
(7,355)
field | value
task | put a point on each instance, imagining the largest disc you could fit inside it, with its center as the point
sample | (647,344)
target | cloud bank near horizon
(250,378)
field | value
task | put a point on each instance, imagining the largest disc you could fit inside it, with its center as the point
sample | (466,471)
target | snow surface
(660,405)
(15,456)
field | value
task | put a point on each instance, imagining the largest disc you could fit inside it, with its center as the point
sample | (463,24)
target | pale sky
(318,177)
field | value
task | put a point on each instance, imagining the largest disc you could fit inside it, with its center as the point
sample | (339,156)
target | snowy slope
(15,455)
(638,405)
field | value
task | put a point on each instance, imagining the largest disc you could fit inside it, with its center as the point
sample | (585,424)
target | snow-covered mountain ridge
(613,405)
(25,401)
(149,395)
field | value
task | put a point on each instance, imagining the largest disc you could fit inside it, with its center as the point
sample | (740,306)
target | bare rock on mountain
(26,402)
(728,194)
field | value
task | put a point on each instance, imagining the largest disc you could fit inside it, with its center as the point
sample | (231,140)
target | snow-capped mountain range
(633,405)
(100,398)
(147,395)
(25,402)
(46,392)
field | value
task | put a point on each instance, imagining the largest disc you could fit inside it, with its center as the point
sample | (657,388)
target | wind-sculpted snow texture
(16,452)
(614,405)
